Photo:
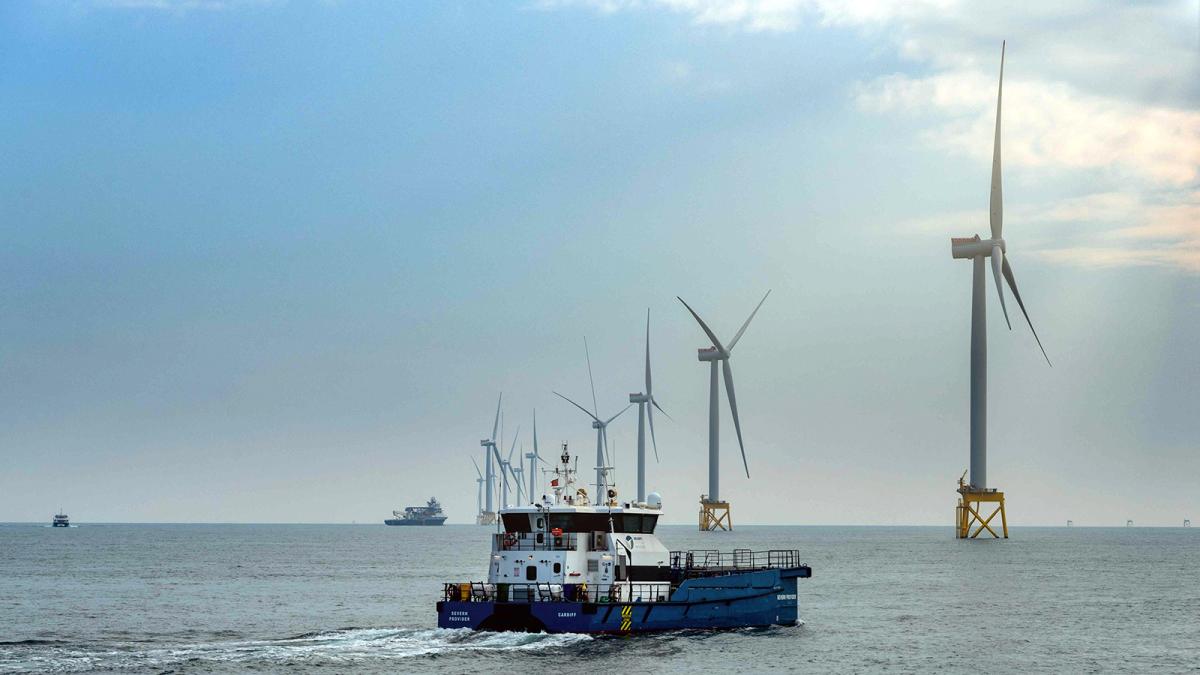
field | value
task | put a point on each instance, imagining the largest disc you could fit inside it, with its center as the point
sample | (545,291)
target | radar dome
(654,500)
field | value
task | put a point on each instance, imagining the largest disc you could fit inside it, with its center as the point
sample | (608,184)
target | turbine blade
(647,351)
(514,443)
(501,463)
(585,410)
(604,438)
(627,407)
(997,261)
(496,424)
(707,331)
(591,381)
(737,424)
(653,440)
(477,471)
(997,198)
(1012,284)
(664,412)
(750,318)
(535,431)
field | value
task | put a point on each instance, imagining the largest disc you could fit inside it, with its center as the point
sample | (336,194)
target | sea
(360,598)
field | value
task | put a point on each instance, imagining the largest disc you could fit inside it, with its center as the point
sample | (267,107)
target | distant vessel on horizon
(60,520)
(430,514)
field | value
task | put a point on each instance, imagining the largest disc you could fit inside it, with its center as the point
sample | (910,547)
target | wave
(346,647)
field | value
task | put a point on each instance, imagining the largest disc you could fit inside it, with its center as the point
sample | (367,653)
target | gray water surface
(337,598)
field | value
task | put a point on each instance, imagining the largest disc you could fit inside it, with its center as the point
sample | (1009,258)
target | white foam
(341,646)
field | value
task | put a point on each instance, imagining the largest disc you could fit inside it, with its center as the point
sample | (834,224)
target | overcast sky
(274,261)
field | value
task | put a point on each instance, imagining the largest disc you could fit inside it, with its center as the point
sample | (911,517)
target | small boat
(430,514)
(61,520)
(568,565)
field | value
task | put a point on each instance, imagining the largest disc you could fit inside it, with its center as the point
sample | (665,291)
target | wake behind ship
(430,514)
(568,565)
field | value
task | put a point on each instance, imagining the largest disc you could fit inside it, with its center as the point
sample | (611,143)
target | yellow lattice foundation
(969,513)
(714,516)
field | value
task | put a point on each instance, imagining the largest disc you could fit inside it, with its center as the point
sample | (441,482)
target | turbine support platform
(969,512)
(714,515)
(486,518)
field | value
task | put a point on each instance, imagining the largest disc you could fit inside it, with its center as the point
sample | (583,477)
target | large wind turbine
(489,445)
(975,250)
(479,486)
(505,469)
(533,458)
(720,353)
(646,405)
(600,426)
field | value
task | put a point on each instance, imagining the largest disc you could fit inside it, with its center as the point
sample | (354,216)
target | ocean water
(339,598)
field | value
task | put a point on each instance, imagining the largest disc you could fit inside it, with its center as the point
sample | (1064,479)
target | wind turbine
(600,427)
(518,473)
(479,485)
(719,353)
(646,405)
(489,445)
(975,250)
(533,458)
(505,469)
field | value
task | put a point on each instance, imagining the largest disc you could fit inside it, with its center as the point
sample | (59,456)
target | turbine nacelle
(966,248)
(711,354)
(639,398)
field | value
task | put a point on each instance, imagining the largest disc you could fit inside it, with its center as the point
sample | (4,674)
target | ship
(570,565)
(430,514)
(60,520)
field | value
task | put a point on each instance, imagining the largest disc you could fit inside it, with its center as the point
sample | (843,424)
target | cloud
(1107,229)
(1046,124)
(1107,98)
(765,15)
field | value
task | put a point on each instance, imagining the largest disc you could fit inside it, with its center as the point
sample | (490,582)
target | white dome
(654,500)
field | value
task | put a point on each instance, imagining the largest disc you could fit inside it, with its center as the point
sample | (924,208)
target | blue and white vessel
(570,565)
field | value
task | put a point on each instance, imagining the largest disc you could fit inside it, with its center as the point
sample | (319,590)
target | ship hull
(415,521)
(761,598)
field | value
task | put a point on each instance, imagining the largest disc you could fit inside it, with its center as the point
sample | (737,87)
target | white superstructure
(571,544)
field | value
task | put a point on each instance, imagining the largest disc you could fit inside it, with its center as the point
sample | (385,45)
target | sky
(275,261)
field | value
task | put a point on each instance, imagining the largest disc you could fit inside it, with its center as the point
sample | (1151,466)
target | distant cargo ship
(430,514)
(61,520)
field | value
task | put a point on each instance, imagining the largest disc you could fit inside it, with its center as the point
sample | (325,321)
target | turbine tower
(975,492)
(601,427)
(714,513)
(646,405)
(488,516)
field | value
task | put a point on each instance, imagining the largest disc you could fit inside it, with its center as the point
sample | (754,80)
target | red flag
(554,483)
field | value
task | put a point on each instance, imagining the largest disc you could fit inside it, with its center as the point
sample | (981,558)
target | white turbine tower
(601,427)
(975,250)
(646,405)
(489,449)
(714,513)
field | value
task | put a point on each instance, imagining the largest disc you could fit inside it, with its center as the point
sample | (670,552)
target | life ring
(556,532)
(510,540)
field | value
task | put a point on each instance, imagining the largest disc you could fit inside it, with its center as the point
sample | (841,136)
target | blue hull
(760,598)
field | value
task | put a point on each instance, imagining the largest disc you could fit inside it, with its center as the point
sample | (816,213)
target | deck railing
(619,592)
(738,560)
(534,541)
